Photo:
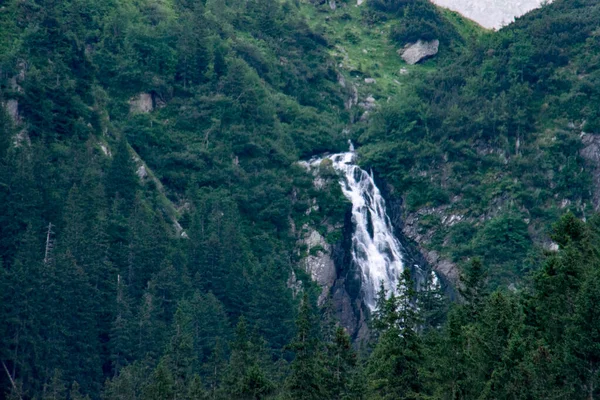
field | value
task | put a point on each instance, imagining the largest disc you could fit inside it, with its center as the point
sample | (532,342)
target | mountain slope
(489,147)
(152,198)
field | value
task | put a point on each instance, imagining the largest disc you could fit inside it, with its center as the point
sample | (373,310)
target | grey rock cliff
(318,263)
(141,104)
(591,153)
(12,107)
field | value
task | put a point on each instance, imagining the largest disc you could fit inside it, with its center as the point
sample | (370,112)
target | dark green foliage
(121,181)
(345,377)
(245,379)
(532,344)
(103,295)
(305,381)
(494,135)
(393,368)
(421,21)
(120,293)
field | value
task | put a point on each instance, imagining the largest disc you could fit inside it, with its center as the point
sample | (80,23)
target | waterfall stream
(375,249)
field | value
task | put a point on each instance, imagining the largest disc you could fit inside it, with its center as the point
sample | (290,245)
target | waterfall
(375,249)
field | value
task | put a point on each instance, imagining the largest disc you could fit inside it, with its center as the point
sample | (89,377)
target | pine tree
(122,330)
(130,383)
(121,180)
(394,366)
(215,369)
(55,389)
(451,358)
(344,376)
(161,385)
(583,337)
(193,44)
(489,340)
(432,303)
(245,379)
(146,241)
(448,361)
(196,389)
(305,380)
(75,338)
(473,287)
(181,358)
(150,327)
(20,303)
(75,393)
(271,306)
(21,198)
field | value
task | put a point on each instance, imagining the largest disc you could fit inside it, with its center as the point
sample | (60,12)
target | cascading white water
(375,249)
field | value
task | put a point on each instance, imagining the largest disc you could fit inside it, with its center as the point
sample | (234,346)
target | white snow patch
(491,14)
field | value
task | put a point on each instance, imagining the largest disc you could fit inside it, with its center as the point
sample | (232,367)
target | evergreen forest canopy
(146,255)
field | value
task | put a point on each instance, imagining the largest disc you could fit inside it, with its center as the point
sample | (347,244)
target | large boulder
(143,103)
(416,52)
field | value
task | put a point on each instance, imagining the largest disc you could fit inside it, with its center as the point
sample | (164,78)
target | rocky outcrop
(369,104)
(141,104)
(141,172)
(352,99)
(445,267)
(319,263)
(416,52)
(294,284)
(317,252)
(591,153)
(12,107)
(409,227)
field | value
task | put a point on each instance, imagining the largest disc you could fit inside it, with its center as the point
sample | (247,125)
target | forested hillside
(152,205)
(490,149)
(120,226)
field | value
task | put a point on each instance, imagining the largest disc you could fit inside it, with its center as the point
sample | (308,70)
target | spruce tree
(305,379)
(196,389)
(432,303)
(121,179)
(344,375)
(394,366)
(75,393)
(122,333)
(161,385)
(245,379)
(181,358)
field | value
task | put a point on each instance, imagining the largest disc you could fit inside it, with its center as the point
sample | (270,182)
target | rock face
(319,263)
(141,172)
(591,154)
(12,107)
(352,99)
(141,104)
(491,14)
(416,52)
